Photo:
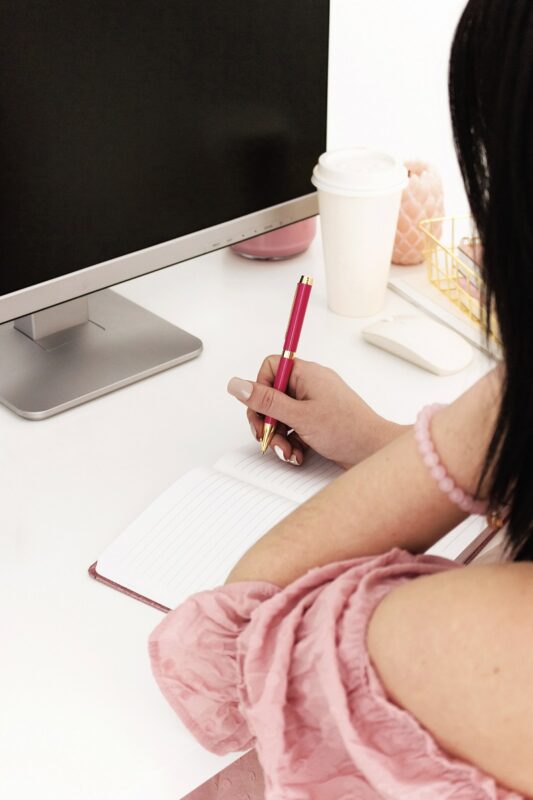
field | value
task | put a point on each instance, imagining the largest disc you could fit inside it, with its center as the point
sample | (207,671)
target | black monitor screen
(126,123)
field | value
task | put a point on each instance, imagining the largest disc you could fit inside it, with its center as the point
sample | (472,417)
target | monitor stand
(66,355)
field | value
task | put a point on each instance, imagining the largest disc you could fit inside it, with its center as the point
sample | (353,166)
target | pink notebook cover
(124,589)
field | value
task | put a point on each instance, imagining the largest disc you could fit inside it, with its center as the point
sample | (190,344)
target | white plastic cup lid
(359,172)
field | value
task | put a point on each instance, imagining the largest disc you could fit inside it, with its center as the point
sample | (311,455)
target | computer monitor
(134,136)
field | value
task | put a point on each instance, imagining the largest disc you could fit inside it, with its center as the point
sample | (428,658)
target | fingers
(267,370)
(263,399)
(296,442)
(267,373)
(285,451)
(298,447)
(256,425)
(288,448)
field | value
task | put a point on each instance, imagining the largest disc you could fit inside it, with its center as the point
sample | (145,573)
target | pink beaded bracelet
(437,469)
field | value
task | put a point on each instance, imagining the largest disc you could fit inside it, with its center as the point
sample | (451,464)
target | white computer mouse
(421,340)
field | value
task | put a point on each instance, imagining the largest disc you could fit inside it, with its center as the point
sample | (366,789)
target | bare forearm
(381,433)
(386,432)
(388,500)
(370,509)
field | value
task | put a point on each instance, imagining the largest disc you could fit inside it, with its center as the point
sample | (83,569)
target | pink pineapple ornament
(422,198)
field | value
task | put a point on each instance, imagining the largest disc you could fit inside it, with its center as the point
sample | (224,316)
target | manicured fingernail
(294,460)
(279,452)
(254,434)
(240,389)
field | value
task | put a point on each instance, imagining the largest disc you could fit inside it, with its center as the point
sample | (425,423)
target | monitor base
(120,344)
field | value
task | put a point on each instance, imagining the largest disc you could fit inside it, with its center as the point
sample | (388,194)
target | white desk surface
(81,716)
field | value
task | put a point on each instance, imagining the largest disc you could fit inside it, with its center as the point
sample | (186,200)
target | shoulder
(455,649)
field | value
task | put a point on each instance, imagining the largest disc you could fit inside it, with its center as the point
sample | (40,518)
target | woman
(358,668)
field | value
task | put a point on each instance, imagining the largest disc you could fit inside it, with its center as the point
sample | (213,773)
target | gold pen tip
(268,433)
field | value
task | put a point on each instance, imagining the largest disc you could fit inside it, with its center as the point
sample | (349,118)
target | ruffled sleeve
(288,671)
(194,660)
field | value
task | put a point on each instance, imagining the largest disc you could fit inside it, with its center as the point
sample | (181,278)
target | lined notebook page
(270,473)
(458,540)
(191,536)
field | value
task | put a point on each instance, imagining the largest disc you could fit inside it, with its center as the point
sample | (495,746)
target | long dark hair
(491,100)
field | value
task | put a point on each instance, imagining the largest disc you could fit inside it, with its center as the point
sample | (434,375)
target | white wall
(388,81)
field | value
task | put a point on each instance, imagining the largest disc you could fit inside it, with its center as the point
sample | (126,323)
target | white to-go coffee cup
(359,193)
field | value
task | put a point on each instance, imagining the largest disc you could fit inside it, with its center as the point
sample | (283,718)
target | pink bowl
(280,243)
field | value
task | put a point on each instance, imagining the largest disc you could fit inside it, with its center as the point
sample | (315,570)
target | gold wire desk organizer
(452,252)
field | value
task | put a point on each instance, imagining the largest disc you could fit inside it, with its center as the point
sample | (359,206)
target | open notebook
(191,536)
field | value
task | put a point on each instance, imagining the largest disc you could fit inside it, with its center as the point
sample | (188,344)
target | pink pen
(286,362)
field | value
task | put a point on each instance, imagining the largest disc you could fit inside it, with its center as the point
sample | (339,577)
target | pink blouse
(287,672)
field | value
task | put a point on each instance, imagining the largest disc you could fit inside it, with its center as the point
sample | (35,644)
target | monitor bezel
(151,259)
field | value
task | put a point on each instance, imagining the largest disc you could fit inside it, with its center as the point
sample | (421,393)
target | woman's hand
(319,411)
